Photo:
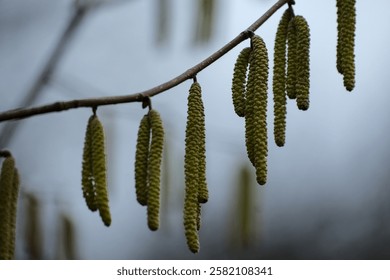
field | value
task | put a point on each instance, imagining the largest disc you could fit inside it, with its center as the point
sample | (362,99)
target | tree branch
(138,97)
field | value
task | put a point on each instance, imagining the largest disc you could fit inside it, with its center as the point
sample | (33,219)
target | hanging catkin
(141,160)
(340,34)
(154,169)
(346,26)
(87,178)
(239,81)
(194,167)
(303,64)
(292,60)
(256,113)
(203,195)
(279,79)
(13,212)
(94,182)
(9,187)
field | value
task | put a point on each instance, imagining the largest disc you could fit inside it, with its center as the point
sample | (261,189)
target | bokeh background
(327,195)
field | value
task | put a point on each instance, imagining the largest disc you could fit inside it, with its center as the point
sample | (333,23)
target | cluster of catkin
(94,182)
(291,51)
(290,78)
(9,190)
(249,93)
(346,25)
(196,191)
(148,158)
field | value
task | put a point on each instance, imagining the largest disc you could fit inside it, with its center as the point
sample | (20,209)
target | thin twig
(46,73)
(138,97)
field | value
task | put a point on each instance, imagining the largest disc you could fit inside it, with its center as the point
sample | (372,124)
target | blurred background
(328,189)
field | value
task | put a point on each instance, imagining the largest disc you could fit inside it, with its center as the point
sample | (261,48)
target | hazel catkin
(99,170)
(292,60)
(279,79)
(6,207)
(203,193)
(194,167)
(239,81)
(154,169)
(141,160)
(346,26)
(87,177)
(303,64)
(13,212)
(256,117)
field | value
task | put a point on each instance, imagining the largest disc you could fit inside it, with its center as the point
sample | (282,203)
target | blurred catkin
(13,212)
(239,81)
(99,170)
(87,178)
(154,169)
(141,160)
(6,204)
(279,79)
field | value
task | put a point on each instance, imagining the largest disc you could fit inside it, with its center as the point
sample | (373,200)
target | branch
(138,97)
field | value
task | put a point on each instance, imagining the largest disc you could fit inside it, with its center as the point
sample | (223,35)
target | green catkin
(302,86)
(259,64)
(340,34)
(87,178)
(292,60)
(99,170)
(6,186)
(279,79)
(141,161)
(198,216)
(346,19)
(256,105)
(239,80)
(154,169)
(249,128)
(194,140)
(14,204)
(203,193)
